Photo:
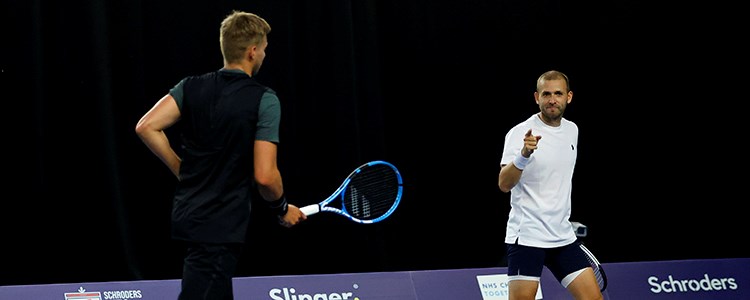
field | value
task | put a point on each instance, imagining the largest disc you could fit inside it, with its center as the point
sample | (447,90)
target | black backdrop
(431,86)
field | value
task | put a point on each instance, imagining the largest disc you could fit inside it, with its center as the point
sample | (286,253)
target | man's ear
(250,52)
(570,96)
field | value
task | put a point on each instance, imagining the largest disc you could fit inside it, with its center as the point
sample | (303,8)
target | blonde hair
(240,30)
(552,75)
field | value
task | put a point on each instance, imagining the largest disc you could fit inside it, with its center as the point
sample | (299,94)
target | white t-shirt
(540,202)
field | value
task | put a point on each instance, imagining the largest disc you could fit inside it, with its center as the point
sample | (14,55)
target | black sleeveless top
(219,115)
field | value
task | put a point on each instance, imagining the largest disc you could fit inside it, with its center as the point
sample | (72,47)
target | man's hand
(293,216)
(529,143)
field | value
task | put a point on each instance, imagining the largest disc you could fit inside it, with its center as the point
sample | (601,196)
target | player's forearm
(266,173)
(157,142)
(508,178)
(270,186)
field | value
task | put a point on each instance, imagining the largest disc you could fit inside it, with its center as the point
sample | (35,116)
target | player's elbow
(266,178)
(262,180)
(139,129)
(504,186)
(142,129)
(505,181)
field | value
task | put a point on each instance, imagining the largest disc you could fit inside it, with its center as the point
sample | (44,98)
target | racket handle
(310,209)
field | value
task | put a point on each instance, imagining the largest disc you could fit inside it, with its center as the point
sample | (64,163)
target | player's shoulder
(569,126)
(521,127)
(569,123)
(269,92)
(527,123)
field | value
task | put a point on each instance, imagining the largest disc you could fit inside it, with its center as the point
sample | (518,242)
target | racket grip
(310,209)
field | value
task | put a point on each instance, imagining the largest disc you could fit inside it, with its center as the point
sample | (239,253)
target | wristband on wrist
(279,206)
(520,162)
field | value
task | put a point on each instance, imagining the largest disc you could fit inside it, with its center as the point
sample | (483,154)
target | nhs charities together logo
(495,287)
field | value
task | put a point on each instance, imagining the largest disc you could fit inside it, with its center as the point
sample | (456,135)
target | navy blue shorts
(525,261)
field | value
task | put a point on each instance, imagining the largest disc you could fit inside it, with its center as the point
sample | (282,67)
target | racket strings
(372,192)
(601,278)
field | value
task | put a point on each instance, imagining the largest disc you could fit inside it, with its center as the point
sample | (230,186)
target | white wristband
(520,162)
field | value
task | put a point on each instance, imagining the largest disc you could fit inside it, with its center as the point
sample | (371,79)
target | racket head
(601,277)
(370,193)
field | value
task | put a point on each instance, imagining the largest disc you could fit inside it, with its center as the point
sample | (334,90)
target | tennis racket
(368,195)
(601,277)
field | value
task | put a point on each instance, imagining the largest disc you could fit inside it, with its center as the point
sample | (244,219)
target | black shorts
(207,271)
(526,262)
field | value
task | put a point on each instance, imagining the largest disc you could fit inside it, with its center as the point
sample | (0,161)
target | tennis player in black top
(229,135)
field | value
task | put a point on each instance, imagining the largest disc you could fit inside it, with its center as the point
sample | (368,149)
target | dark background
(430,86)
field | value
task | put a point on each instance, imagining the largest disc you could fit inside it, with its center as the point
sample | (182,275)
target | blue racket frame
(339,194)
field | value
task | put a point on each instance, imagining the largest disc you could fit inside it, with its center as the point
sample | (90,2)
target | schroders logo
(123,295)
(290,293)
(82,294)
(705,284)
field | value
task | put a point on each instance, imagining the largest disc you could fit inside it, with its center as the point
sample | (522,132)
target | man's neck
(551,122)
(244,67)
